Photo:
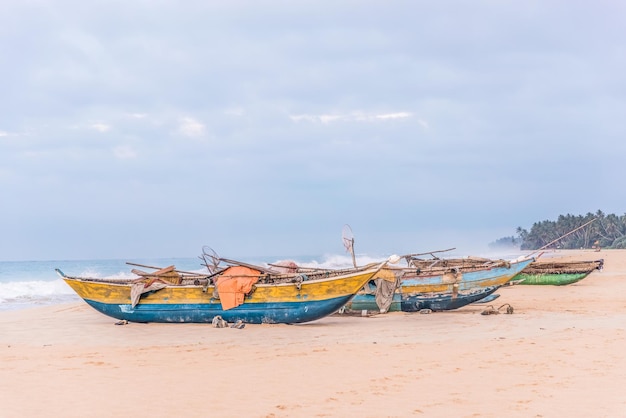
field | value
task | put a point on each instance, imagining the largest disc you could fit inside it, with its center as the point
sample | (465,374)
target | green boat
(557,273)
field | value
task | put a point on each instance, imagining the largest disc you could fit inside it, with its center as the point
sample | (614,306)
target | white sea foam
(27,289)
(337,261)
(14,295)
(34,283)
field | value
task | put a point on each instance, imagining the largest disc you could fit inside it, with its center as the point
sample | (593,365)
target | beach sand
(561,353)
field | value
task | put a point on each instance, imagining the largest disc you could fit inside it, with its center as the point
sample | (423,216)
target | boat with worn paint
(366,300)
(557,273)
(252,296)
(416,281)
(436,286)
(489,298)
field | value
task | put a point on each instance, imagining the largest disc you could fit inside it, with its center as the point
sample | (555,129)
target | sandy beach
(561,353)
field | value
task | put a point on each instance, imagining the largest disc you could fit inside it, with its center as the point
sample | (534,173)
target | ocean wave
(336,261)
(33,289)
(24,294)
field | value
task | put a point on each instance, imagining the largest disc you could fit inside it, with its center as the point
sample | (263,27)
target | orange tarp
(234,284)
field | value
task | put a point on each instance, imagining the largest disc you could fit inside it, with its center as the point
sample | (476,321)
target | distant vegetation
(607,231)
(506,243)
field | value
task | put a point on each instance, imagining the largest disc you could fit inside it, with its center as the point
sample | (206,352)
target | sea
(27,284)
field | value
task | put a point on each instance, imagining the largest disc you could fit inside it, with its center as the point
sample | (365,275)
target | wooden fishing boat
(440,287)
(437,282)
(235,293)
(366,300)
(416,281)
(557,273)
(437,263)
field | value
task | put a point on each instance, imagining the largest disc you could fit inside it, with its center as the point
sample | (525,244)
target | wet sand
(561,353)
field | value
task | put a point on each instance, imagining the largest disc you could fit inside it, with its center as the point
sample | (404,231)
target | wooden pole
(160,268)
(352,252)
(251,266)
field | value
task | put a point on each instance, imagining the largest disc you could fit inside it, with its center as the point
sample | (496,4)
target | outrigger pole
(561,237)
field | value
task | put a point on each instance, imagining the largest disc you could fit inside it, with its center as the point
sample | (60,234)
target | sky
(260,128)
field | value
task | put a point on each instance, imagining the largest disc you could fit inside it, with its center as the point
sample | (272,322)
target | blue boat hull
(489,298)
(415,303)
(252,313)
(444,302)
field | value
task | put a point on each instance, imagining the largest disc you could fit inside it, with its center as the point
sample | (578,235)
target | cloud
(191,128)
(100,127)
(11,135)
(351,117)
(423,123)
(137,115)
(124,152)
(329,118)
(316,118)
(235,111)
(399,115)
(332,108)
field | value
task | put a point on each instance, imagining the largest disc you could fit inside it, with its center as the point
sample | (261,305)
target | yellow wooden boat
(251,296)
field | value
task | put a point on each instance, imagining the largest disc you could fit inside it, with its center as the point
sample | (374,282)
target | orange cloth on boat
(234,284)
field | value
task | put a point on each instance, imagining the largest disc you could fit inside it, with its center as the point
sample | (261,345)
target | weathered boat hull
(561,279)
(445,302)
(415,303)
(489,298)
(423,283)
(367,302)
(269,303)
(252,313)
(557,273)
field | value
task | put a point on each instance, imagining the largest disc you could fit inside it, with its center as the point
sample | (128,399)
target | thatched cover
(563,267)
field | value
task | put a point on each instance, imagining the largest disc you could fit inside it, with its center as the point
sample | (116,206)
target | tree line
(606,231)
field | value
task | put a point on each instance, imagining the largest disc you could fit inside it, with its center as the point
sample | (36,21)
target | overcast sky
(151,128)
